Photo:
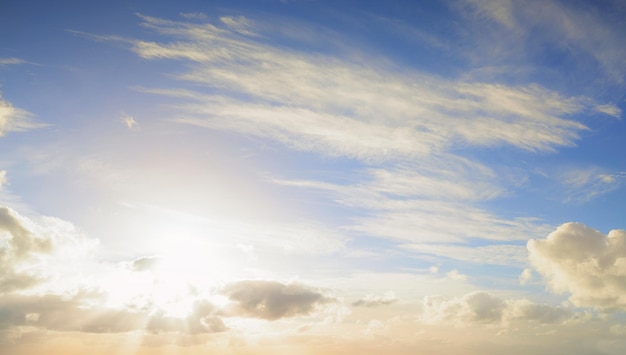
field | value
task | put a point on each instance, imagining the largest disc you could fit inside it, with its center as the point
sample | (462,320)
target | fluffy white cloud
(584,262)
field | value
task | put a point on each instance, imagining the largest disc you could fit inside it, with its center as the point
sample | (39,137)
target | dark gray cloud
(271,300)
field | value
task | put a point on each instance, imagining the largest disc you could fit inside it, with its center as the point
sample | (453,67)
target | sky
(312,177)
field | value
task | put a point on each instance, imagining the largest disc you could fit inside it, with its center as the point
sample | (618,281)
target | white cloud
(398,114)
(482,307)
(499,254)
(15,119)
(238,24)
(456,275)
(11,61)
(129,121)
(584,184)
(610,110)
(585,263)
(371,300)
(580,28)
(34,253)
(3,178)
(526,276)
(374,112)
(194,15)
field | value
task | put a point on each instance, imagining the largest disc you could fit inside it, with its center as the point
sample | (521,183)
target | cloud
(11,61)
(146,263)
(194,15)
(402,123)
(32,252)
(482,307)
(526,276)
(15,119)
(389,111)
(374,301)
(610,110)
(584,184)
(238,24)
(83,312)
(128,121)
(201,319)
(580,31)
(21,241)
(585,263)
(3,178)
(271,300)
(498,254)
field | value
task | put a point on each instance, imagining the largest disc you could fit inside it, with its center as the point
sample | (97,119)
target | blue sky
(312,176)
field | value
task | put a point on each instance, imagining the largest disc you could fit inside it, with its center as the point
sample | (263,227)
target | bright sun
(183,270)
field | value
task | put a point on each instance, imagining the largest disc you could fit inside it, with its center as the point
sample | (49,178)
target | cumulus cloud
(272,300)
(482,307)
(15,119)
(585,263)
(19,245)
(374,300)
(526,276)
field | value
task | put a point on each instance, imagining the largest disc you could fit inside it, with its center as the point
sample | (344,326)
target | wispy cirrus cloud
(584,184)
(409,112)
(11,61)
(402,123)
(15,119)
(580,29)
